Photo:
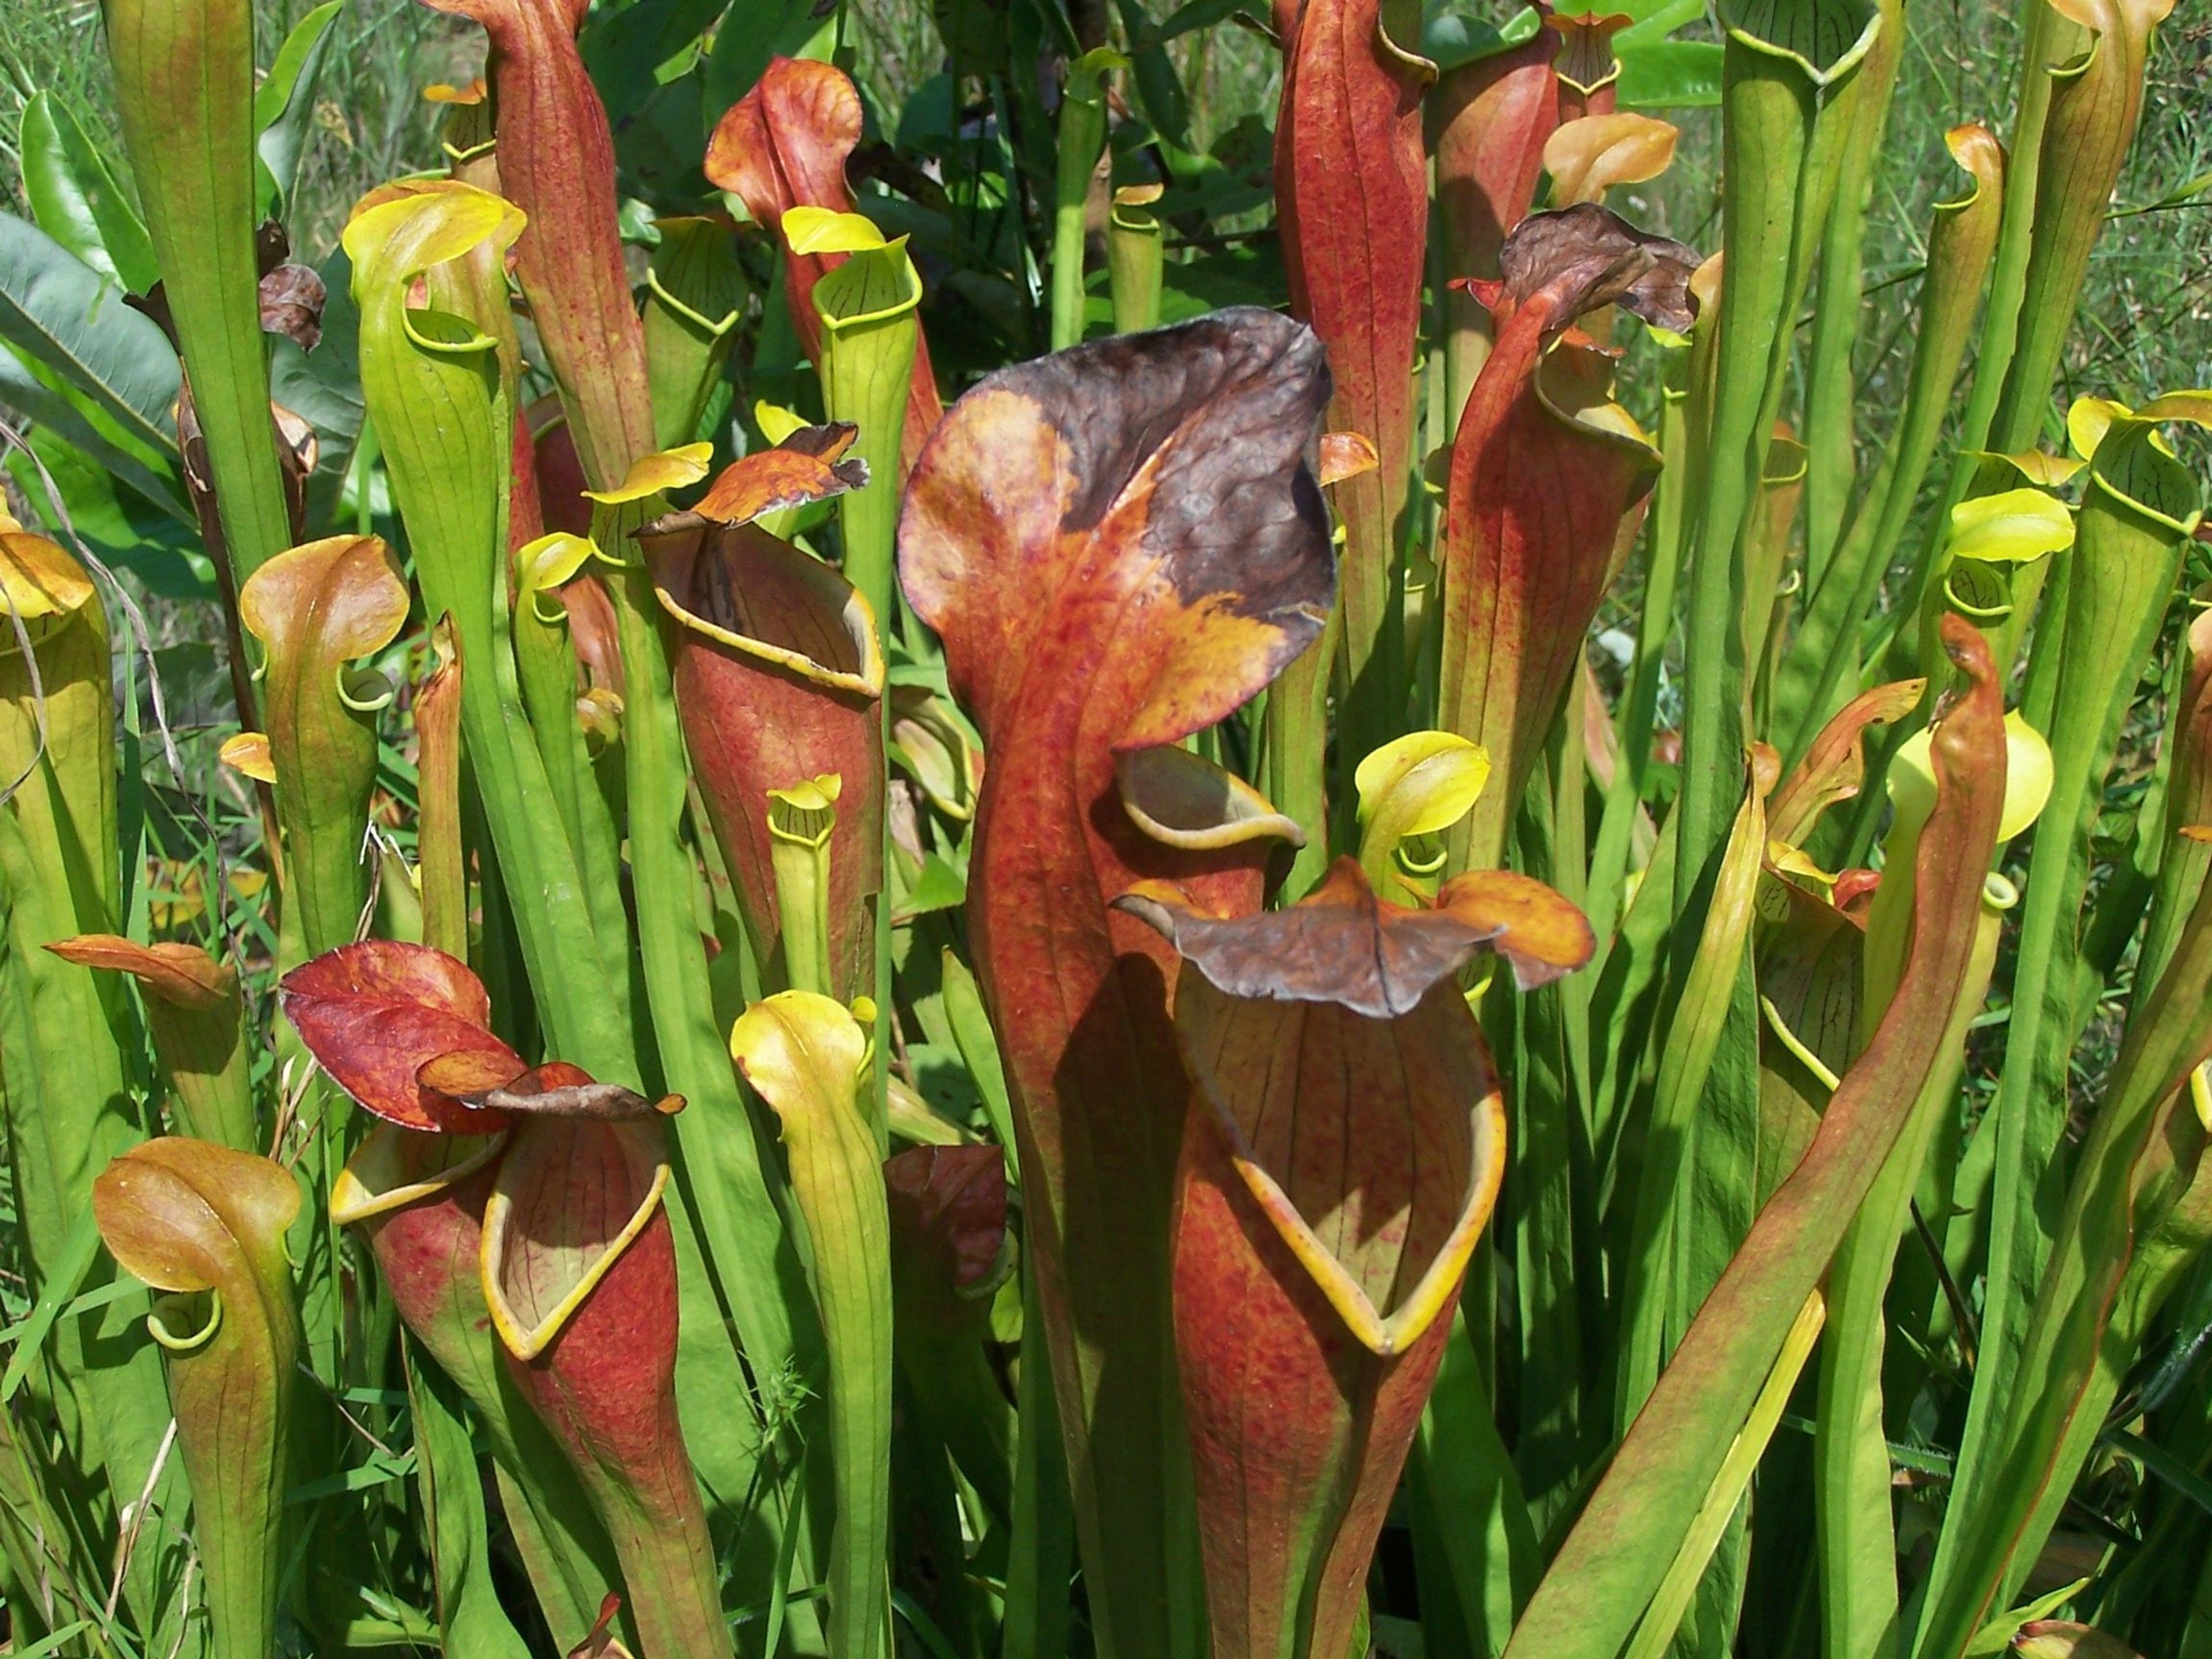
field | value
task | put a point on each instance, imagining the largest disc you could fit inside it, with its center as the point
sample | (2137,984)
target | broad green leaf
(938,887)
(77,200)
(1654,20)
(284,107)
(781,29)
(1670,74)
(68,317)
(1205,13)
(92,444)
(1450,37)
(623,49)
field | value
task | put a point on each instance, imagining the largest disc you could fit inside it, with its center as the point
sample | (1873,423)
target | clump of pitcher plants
(867,990)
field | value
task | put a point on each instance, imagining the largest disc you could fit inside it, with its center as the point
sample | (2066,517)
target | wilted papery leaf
(553,1089)
(1581,257)
(1345,945)
(292,298)
(373,1014)
(806,466)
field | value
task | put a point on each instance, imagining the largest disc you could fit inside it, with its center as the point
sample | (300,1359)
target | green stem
(1862,111)
(1770,105)
(1296,756)
(1037,1618)
(2043,36)
(1639,708)
(183,74)
(1852,1475)
(1082,141)
(2126,559)
(1135,257)
(740,1227)
(870,337)
(1782,154)
(1825,650)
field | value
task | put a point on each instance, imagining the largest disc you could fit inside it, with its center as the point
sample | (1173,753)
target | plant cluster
(935,937)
